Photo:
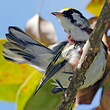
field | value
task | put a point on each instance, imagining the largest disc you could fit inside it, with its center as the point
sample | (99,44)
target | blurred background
(18,12)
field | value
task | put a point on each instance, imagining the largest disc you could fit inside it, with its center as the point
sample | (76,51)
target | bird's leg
(58,82)
(63,89)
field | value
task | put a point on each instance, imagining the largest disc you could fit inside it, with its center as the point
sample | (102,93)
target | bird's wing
(55,65)
(56,47)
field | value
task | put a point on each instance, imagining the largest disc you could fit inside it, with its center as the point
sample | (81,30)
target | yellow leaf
(27,89)
(12,75)
(43,100)
(95,6)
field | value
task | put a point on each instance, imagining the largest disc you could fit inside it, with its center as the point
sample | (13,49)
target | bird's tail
(23,49)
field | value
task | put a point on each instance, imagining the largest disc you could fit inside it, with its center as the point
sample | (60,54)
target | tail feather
(9,59)
(14,51)
(12,45)
(23,49)
(9,55)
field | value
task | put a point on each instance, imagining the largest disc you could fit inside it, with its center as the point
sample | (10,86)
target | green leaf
(8,92)
(43,100)
(12,75)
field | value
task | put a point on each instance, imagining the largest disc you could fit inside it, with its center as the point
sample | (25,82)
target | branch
(87,58)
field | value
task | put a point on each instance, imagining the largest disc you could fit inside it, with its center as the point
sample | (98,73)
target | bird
(53,62)
(78,31)
(59,61)
(75,25)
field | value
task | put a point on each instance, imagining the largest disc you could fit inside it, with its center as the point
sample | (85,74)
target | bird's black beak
(57,14)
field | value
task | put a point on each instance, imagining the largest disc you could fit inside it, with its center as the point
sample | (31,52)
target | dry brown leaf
(41,30)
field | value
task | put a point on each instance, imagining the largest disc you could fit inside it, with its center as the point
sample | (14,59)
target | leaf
(43,100)
(42,30)
(95,6)
(12,75)
(8,92)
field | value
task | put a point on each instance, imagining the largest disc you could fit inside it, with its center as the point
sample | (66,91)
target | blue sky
(17,12)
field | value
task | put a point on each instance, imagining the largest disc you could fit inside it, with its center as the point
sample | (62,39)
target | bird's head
(74,23)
